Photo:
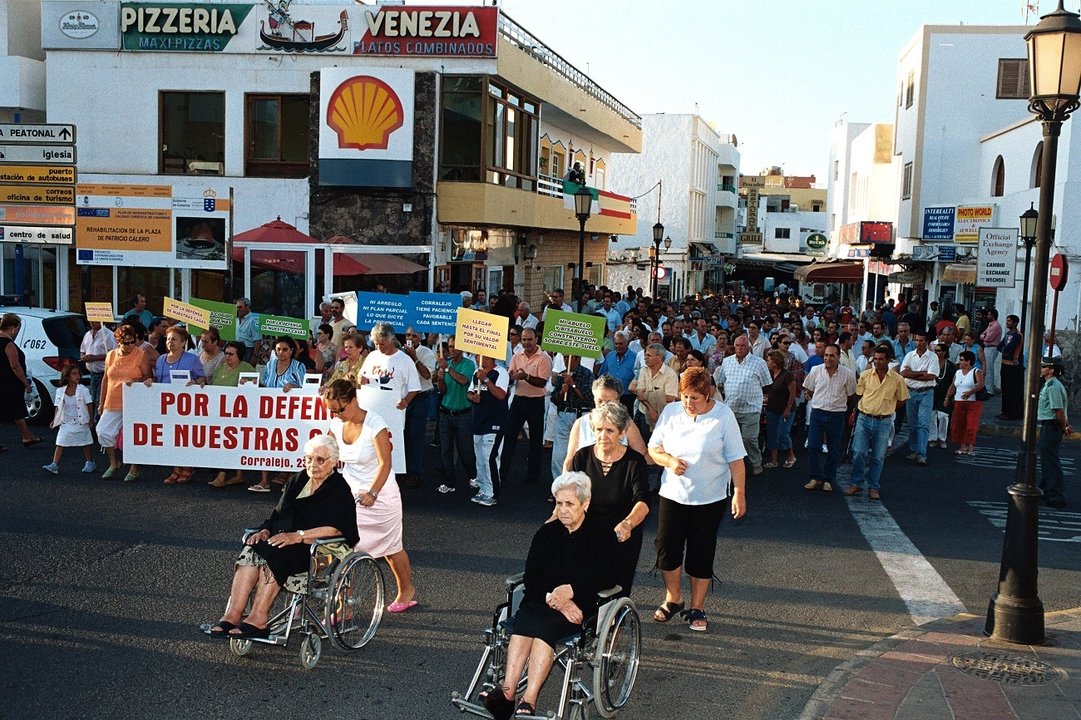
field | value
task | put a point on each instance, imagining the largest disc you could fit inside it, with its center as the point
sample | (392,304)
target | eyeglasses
(314,460)
(231,354)
(336,410)
(127,342)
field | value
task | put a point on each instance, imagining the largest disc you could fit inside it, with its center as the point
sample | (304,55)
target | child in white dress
(73,414)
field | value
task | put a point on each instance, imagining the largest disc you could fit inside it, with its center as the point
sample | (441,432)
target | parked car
(50,340)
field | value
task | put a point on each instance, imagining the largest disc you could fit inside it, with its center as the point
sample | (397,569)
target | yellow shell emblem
(364,111)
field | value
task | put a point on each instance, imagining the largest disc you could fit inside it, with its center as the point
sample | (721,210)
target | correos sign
(79,24)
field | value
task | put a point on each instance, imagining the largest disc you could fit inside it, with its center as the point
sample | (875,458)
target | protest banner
(572,333)
(374,308)
(185,313)
(246,428)
(99,311)
(276,325)
(433,312)
(222,316)
(481,333)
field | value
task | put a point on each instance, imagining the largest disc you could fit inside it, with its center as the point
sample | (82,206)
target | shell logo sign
(366,133)
(364,111)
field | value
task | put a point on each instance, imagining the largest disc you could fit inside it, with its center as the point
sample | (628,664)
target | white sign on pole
(24,133)
(37,235)
(998,248)
(38,154)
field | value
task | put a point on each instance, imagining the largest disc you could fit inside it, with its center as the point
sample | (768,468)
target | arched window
(998,178)
(1037,165)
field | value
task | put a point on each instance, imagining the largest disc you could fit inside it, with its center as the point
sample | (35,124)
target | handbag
(982,394)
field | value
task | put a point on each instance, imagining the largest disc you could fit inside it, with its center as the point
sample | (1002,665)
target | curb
(821,702)
(992,429)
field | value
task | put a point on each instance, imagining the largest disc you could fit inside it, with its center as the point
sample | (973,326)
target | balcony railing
(515,33)
(725,187)
(553,187)
(718,235)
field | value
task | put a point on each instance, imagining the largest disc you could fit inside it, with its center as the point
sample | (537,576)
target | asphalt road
(104,585)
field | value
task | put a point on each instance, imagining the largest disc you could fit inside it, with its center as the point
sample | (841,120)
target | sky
(778,75)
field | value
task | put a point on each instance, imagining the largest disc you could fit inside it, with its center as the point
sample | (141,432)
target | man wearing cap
(1054,423)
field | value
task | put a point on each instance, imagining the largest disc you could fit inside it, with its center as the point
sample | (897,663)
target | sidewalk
(991,425)
(948,670)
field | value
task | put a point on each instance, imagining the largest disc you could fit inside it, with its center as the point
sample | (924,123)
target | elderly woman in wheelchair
(567,577)
(316,504)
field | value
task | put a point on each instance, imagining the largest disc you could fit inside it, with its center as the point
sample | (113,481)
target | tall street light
(1028,237)
(658,234)
(1015,613)
(583,202)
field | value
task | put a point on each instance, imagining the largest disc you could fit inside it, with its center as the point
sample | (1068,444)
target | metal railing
(518,35)
(718,235)
(553,187)
(725,186)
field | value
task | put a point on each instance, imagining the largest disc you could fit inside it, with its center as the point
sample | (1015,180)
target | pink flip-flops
(400,607)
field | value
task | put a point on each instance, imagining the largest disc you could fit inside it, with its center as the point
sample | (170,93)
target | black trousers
(1013,391)
(692,528)
(522,411)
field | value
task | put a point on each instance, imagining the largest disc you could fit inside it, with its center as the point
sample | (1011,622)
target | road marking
(1055,525)
(999,458)
(924,592)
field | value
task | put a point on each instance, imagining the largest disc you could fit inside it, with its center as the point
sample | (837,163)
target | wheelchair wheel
(615,665)
(355,602)
(311,649)
(240,646)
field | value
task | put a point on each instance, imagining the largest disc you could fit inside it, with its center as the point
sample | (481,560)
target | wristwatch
(300,533)
(373,493)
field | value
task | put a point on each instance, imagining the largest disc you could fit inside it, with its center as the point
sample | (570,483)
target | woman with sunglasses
(124,365)
(364,450)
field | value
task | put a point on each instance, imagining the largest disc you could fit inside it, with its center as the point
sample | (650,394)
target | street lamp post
(1015,613)
(658,234)
(1029,219)
(583,201)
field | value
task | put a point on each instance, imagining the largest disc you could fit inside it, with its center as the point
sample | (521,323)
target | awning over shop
(837,272)
(959,273)
(382,264)
(784,262)
(908,277)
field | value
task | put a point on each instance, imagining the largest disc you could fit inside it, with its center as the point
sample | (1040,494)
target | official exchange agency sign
(997,258)
(246,428)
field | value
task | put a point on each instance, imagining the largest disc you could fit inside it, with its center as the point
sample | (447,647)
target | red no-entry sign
(1059,272)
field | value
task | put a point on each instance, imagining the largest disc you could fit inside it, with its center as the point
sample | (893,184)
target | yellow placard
(127,229)
(185,313)
(100,311)
(481,333)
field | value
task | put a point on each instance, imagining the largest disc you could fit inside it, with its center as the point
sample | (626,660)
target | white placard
(997,258)
(222,427)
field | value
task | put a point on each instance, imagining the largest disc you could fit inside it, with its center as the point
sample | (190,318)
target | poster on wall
(152,226)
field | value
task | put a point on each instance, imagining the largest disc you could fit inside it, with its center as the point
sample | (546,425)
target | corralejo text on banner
(222,427)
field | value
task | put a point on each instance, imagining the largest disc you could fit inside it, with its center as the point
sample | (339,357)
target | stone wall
(374,216)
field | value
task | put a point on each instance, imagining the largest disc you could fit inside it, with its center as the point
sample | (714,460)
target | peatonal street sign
(56,133)
(38,154)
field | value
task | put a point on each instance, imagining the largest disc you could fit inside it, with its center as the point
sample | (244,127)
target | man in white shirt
(524,318)
(920,371)
(741,378)
(416,415)
(96,344)
(864,360)
(828,388)
(338,320)
(759,344)
(555,300)
(848,354)
(701,339)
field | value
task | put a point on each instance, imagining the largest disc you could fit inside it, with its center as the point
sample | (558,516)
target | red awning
(836,272)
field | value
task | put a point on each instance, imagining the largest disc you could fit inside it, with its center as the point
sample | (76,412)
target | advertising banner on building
(247,428)
(152,226)
(970,218)
(938,223)
(573,334)
(80,25)
(366,127)
(180,27)
(420,31)
(997,258)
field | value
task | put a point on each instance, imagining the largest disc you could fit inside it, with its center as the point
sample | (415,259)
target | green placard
(222,316)
(275,325)
(573,334)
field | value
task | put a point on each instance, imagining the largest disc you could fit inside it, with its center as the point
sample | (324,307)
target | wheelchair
(599,664)
(340,598)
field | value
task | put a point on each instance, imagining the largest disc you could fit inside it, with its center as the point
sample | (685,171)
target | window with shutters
(910,89)
(998,178)
(1013,81)
(906,182)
